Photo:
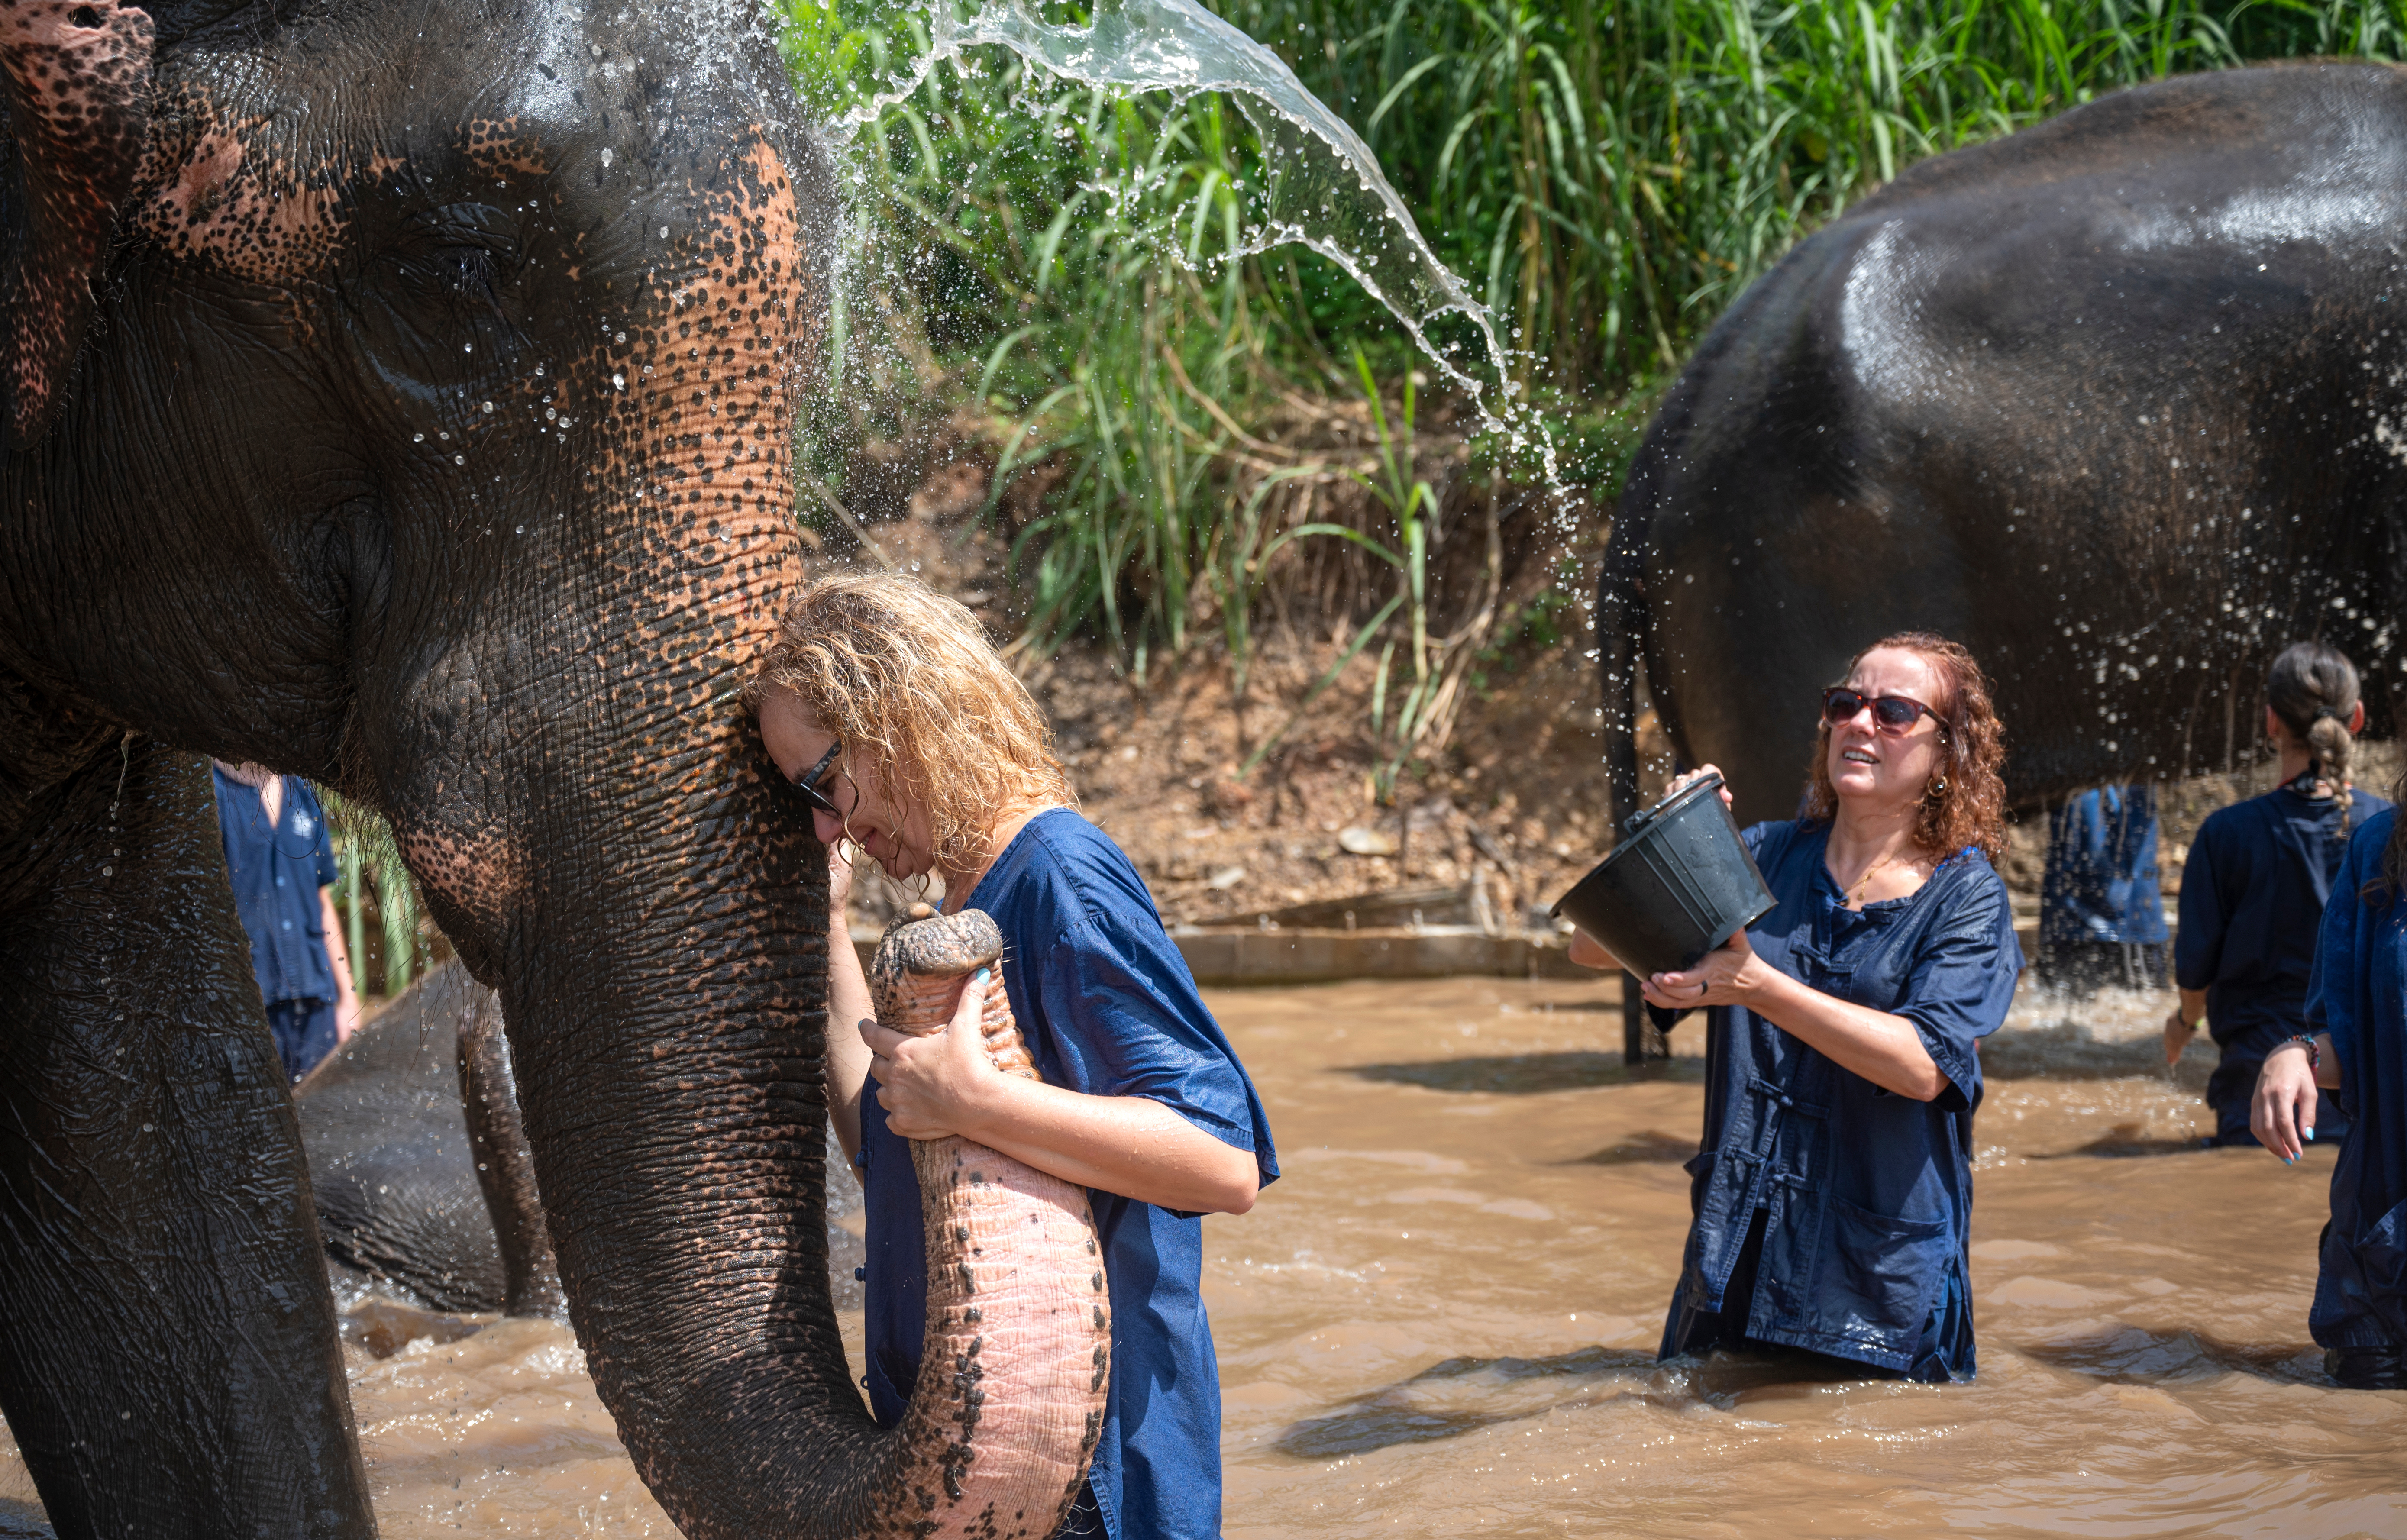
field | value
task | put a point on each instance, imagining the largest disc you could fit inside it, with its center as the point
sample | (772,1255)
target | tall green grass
(1607,174)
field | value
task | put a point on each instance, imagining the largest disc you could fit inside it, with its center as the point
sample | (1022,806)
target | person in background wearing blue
(2354,1042)
(282,864)
(912,741)
(2254,889)
(2102,917)
(1833,1193)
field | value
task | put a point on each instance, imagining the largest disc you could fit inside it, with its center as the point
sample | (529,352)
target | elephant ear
(77,74)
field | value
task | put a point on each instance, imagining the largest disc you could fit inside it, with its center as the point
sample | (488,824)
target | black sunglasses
(1894,715)
(808,783)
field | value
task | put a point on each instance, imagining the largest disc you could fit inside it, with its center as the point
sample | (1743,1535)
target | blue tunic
(1851,1207)
(2251,900)
(2100,886)
(1108,1008)
(277,872)
(2360,995)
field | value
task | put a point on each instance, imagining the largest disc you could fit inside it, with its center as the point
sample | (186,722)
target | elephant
(403,396)
(443,1206)
(418,1162)
(2119,402)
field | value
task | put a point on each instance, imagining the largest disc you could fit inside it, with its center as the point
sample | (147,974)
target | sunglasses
(1894,715)
(808,783)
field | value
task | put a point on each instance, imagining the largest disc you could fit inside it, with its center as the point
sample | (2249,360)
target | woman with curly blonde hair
(885,705)
(1841,1033)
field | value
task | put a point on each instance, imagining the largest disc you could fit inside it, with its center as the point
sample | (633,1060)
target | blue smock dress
(1831,1214)
(277,870)
(1108,1008)
(2102,917)
(2358,994)
(2252,901)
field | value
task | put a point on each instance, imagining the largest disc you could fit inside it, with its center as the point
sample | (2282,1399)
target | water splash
(1325,190)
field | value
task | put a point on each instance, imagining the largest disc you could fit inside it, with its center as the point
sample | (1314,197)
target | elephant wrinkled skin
(2119,402)
(400,395)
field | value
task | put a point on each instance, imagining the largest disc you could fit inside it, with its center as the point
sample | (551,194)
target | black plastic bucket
(1679,884)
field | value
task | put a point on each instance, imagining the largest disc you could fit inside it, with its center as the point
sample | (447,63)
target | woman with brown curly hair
(1832,1195)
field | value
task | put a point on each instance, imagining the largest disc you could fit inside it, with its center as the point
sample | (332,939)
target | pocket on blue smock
(1880,1275)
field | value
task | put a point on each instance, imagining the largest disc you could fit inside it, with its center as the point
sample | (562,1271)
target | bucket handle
(1645,816)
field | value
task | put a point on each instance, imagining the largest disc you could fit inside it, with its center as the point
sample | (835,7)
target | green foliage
(374,882)
(1607,174)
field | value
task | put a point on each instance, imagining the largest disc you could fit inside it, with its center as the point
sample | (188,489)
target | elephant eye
(465,274)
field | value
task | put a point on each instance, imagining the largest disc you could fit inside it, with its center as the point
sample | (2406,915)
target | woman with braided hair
(2254,889)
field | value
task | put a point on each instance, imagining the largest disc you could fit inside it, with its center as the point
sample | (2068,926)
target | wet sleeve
(1963,979)
(2198,943)
(1128,1022)
(2331,983)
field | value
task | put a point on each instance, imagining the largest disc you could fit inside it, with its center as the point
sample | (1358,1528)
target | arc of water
(1327,194)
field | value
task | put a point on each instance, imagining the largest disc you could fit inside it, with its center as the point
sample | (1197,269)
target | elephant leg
(504,1166)
(169,1359)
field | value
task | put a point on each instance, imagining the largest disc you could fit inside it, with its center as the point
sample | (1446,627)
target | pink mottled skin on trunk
(1016,1362)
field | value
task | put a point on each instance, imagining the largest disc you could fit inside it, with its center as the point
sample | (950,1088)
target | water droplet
(489,408)
(620,338)
(417,439)
(521,529)
(146,1128)
(606,156)
(619,381)
(467,346)
(108,871)
(459,459)
(664,232)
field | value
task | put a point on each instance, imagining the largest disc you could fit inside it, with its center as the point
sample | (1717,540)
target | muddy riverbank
(1442,1320)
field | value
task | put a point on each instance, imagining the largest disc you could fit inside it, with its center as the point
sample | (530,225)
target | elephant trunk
(682,1169)
(1015,1353)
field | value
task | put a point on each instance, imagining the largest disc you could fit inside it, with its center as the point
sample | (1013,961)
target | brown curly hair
(907,681)
(1965,804)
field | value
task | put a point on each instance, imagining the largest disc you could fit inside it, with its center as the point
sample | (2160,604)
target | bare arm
(945,1084)
(347,994)
(848,1009)
(1883,1048)
(2178,1031)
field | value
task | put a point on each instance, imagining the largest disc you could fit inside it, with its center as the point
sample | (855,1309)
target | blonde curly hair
(908,683)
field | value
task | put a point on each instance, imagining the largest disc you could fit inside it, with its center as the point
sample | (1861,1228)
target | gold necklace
(1856,899)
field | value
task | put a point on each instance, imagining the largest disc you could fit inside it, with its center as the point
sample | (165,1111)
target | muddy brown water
(1442,1320)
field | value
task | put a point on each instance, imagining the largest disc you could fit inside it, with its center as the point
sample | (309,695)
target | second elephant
(419,1166)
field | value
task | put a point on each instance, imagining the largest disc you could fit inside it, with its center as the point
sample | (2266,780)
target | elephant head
(402,396)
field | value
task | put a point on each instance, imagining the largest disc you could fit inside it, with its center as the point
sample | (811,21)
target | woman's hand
(2177,1035)
(1730,974)
(1698,774)
(938,1085)
(2282,1114)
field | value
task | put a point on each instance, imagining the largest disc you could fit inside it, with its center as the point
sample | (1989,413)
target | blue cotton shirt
(2252,902)
(2100,886)
(277,872)
(2358,994)
(1867,1195)
(1108,1008)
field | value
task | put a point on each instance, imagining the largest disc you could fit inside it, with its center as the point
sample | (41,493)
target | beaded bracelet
(2314,1055)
